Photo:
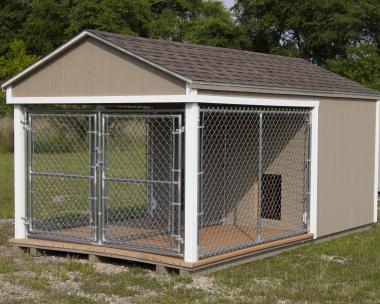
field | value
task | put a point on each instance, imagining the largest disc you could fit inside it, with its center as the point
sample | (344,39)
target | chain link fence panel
(142,181)
(254,179)
(60,175)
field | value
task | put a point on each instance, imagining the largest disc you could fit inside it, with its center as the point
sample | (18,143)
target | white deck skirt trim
(75,40)
(190,97)
(377,169)
(314,173)
(19,172)
(191,181)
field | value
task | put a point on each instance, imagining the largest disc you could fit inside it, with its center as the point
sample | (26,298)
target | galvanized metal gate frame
(97,177)
(305,113)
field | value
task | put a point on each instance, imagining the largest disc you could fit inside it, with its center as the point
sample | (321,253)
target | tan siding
(93,69)
(345,165)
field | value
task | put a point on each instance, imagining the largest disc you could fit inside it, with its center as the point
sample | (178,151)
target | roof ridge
(203,46)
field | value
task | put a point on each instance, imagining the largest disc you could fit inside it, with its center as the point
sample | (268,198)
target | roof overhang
(194,84)
(242,88)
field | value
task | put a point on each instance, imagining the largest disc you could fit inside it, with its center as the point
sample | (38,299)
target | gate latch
(179,131)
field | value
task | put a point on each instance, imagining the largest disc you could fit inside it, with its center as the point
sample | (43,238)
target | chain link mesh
(60,175)
(113,178)
(141,163)
(254,181)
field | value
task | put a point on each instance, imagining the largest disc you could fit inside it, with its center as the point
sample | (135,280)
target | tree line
(340,35)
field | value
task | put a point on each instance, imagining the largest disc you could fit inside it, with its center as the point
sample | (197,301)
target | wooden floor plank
(150,257)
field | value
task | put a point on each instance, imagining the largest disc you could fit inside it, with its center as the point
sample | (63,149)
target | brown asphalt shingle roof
(200,63)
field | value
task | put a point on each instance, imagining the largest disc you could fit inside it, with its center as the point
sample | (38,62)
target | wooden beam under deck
(208,264)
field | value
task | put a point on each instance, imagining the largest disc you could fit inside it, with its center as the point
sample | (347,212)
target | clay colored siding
(346,160)
(93,69)
(346,154)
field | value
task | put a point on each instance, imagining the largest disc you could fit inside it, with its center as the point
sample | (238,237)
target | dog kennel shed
(187,156)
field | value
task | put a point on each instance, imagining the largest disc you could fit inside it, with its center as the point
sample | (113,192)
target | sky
(228,3)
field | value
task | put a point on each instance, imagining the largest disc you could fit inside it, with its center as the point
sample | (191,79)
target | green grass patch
(6,185)
(72,265)
(341,270)
(5,233)
(7,265)
(344,270)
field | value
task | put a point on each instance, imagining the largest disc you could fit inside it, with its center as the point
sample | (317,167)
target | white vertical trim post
(314,172)
(377,170)
(191,181)
(19,171)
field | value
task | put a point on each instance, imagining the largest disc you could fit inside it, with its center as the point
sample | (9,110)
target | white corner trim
(314,173)
(8,95)
(257,101)
(75,40)
(191,181)
(19,172)
(377,170)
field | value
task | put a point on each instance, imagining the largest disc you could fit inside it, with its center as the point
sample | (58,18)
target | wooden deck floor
(211,238)
(228,259)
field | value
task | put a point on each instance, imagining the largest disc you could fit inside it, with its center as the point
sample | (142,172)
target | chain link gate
(254,176)
(142,181)
(106,177)
(61,175)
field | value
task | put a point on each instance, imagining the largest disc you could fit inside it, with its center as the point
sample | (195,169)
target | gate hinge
(304,218)
(26,126)
(178,238)
(26,220)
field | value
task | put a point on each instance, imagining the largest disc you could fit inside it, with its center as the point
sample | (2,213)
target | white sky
(228,3)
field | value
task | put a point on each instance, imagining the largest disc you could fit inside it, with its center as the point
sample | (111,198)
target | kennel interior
(116,177)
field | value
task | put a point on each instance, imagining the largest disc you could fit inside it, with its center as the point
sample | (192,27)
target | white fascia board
(100,99)
(257,101)
(191,96)
(75,40)
(377,170)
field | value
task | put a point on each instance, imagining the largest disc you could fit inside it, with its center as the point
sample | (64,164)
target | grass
(68,198)
(6,185)
(344,270)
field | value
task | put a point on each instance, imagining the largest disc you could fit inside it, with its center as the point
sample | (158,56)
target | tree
(13,14)
(361,64)
(44,28)
(214,26)
(118,16)
(316,30)
(202,22)
(15,60)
